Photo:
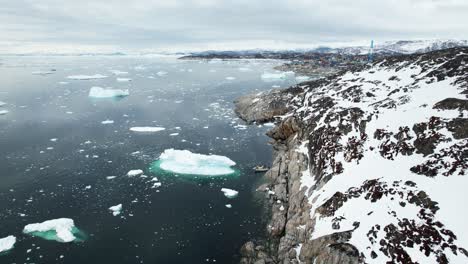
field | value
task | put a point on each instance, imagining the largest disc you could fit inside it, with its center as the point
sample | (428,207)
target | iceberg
(229,193)
(188,163)
(86,77)
(230,78)
(7,243)
(124,79)
(2,103)
(277,76)
(4,112)
(116,209)
(46,72)
(99,92)
(107,122)
(61,230)
(147,129)
(133,173)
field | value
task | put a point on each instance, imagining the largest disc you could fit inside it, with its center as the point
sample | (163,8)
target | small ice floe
(156,185)
(188,163)
(116,209)
(2,103)
(277,76)
(4,112)
(53,139)
(117,72)
(229,193)
(99,92)
(230,78)
(147,129)
(281,208)
(44,72)
(302,78)
(111,177)
(60,230)
(7,243)
(88,187)
(124,79)
(229,206)
(86,77)
(173,134)
(133,173)
(107,122)
(62,83)
(161,73)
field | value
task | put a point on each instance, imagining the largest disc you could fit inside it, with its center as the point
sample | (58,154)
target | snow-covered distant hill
(371,165)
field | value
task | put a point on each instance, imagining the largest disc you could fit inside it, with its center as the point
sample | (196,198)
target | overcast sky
(112,25)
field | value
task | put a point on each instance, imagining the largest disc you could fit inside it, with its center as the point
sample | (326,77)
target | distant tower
(370,57)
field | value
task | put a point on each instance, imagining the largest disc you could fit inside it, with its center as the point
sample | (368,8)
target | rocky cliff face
(370,166)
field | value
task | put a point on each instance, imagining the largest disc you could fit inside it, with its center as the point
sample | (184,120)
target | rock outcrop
(370,166)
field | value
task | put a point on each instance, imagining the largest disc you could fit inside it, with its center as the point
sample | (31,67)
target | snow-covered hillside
(372,165)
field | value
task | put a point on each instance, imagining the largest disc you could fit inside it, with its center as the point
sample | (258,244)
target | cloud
(149,24)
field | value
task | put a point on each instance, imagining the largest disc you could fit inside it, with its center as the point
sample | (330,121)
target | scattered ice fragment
(2,103)
(87,77)
(44,72)
(173,134)
(4,112)
(156,185)
(124,79)
(281,208)
(99,92)
(277,76)
(133,173)
(107,121)
(60,230)
(117,72)
(53,139)
(111,177)
(88,187)
(230,78)
(7,243)
(147,129)
(229,193)
(228,205)
(161,73)
(116,209)
(186,162)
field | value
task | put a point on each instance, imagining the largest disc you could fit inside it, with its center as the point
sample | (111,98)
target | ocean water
(56,155)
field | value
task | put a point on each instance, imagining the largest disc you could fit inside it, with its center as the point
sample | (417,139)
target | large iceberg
(86,77)
(188,163)
(7,243)
(99,92)
(277,76)
(61,230)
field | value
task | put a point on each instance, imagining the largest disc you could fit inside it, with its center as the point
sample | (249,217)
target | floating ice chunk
(4,112)
(186,162)
(228,205)
(63,83)
(116,209)
(147,129)
(277,76)
(156,185)
(230,78)
(229,193)
(133,173)
(161,73)
(302,78)
(111,177)
(44,72)
(87,77)
(173,134)
(117,72)
(99,92)
(60,230)
(124,79)
(2,103)
(7,243)
(53,139)
(107,121)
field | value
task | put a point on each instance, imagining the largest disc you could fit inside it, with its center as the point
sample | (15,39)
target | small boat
(260,168)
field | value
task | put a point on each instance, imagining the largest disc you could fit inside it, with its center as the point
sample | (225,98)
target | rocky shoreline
(323,130)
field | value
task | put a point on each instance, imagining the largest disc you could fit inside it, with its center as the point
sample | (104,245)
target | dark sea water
(183,221)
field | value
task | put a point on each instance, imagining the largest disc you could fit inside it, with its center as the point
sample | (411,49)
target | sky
(184,25)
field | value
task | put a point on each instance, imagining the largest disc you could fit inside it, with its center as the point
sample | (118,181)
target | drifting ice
(229,193)
(277,76)
(7,243)
(99,92)
(186,162)
(147,129)
(87,77)
(116,209)
(133,173)
(60,230)
(4,112)
(2,103)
